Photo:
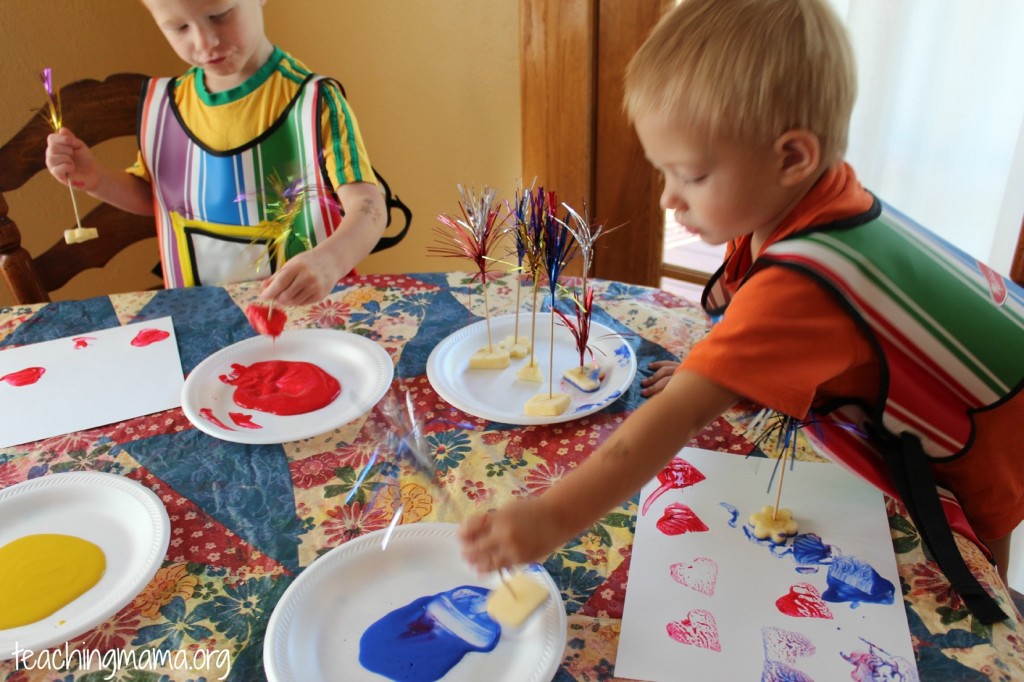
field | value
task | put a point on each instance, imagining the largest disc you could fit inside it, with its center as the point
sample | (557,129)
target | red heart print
(266,321)
(697,629)
(679,519)
(701,574)
(678,474)
(803,601)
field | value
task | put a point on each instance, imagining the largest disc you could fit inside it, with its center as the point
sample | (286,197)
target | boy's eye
(220,17)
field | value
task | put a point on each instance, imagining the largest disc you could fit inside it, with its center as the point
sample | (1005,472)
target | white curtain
(938,128)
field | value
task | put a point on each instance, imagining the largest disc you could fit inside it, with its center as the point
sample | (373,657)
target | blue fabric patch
(444,315)
(248,488)
(62,319)
(206,319)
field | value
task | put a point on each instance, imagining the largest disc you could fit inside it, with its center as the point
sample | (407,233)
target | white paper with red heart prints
(706,601)
(87,380)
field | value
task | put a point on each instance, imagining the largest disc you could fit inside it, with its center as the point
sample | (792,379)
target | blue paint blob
(809,550)
(852,580)
(734,513)
(422,641)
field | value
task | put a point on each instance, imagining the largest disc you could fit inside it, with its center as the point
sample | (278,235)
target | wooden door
(576,138)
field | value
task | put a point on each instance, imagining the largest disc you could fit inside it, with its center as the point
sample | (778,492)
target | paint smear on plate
(243,420)
(282,387)
(82,341)
(40,574)
(423,640)
(207,414)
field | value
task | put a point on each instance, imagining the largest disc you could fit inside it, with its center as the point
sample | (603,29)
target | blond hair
(748,70)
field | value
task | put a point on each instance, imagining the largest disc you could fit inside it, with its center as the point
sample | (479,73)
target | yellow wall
(434,83)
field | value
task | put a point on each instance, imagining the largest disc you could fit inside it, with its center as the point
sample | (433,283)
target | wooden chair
(96,111)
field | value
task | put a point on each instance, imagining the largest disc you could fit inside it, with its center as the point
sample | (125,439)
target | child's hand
(70,161)
(663,371)
(521,532)
(306,278)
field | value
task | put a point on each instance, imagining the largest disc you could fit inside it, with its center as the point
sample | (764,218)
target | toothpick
(506,583)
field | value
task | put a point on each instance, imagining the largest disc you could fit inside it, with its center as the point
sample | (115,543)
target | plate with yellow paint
(95,512)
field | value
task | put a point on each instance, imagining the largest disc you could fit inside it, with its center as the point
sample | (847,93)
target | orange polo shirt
(786,343)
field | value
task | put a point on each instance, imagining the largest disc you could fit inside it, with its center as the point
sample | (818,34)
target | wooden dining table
(246,520)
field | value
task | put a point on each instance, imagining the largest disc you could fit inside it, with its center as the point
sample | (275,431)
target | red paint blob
(243,420)
(679,519)
(24,377)
(282,387)
(148,336)
(266,321)
(82,341)
(207,414)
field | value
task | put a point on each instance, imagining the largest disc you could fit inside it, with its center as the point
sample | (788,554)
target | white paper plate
(364,369)
(314,632)
(125,519)
(497,395)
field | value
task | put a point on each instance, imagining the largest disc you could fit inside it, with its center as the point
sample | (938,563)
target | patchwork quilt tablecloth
(236,547)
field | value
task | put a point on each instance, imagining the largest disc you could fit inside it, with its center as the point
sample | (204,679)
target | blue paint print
(734,513)
(774,671)
(852,580)
(423,640)
(809,550)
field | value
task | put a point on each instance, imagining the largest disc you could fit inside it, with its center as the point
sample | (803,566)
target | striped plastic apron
(212,208)
(943,325)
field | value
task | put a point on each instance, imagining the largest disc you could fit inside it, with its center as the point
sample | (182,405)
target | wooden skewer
(778,490)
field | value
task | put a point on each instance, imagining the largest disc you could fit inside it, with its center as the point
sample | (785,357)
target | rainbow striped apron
(948,330)
(215,210)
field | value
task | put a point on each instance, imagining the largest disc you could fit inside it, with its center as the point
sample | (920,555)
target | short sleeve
(782,339)
(345,154)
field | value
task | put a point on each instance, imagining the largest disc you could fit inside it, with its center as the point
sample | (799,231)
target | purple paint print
(785,646)
(698,629)
(24,377)
(878,665)
(699,575)
(852,580)
(780,672)
(677,475)
(423,640)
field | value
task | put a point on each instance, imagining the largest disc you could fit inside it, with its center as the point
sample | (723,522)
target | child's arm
(530,529)
(309,276)
(70,160)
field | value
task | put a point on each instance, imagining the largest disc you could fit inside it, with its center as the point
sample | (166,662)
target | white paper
(89,380)
(724,573)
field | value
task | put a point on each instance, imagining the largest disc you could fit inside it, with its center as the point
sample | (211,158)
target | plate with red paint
(498,395)
(316,630)
(303,383)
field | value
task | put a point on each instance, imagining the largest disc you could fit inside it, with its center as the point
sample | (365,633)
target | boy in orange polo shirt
(836,308)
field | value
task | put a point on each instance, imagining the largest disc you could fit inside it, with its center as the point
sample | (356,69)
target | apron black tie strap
(912,475)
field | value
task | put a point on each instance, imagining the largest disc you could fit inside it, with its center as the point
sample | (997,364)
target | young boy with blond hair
(220,145)
(900,353)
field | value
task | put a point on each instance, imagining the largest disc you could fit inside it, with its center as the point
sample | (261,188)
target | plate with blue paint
(414,612)
(498,395)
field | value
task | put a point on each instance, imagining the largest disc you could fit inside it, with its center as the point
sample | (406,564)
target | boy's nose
(206,38)
(672,201)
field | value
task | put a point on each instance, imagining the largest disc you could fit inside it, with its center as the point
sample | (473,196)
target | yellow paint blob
(39,574)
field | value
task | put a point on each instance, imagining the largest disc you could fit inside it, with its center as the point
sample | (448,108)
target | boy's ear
(799,155)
